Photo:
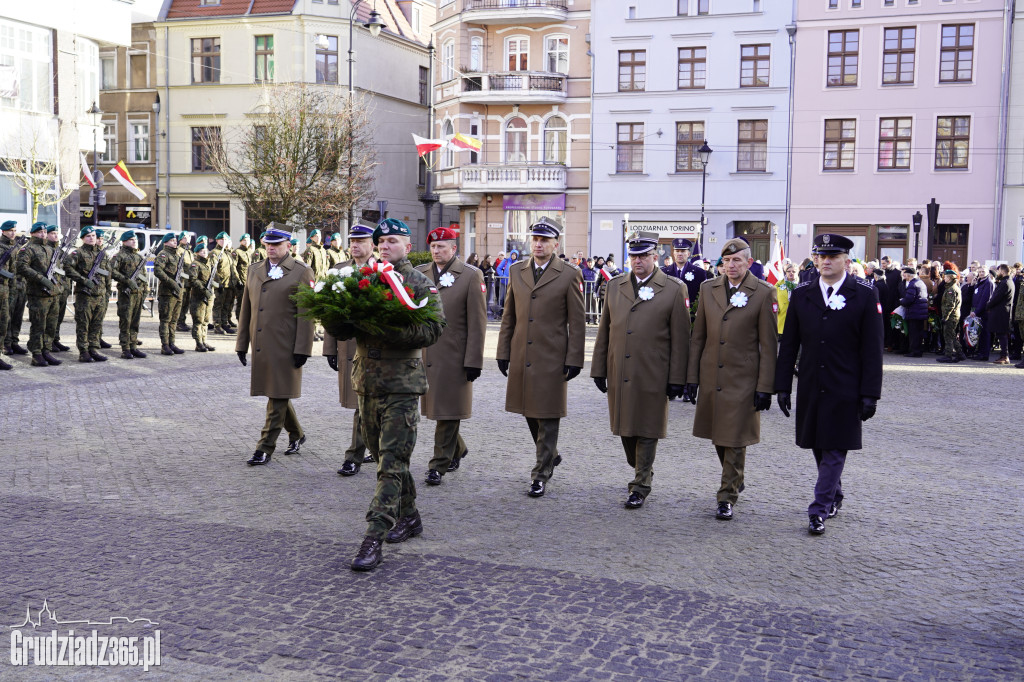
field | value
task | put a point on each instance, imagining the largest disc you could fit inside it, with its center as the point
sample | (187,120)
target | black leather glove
(867,408)
(472,373)
(503,367)
(690,393)
(785,403)
(176,288)
(88,287)
(571,372)
(332,361)
(45,283)
(601,383)
(133,286)
(299,360)
(762,401)
(241,357)
(674,391)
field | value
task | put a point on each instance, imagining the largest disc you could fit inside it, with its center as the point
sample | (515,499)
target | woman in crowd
(784,287)
(488,270)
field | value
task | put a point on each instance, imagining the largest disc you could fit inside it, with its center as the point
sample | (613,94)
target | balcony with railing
(512,178)
(514,11)
(511,87)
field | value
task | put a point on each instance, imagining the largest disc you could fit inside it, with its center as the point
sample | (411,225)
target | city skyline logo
(51,614)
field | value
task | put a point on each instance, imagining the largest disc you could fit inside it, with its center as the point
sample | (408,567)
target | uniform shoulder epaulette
(802,285)
(673,278)
(618,276)
(471,267)
(864,283)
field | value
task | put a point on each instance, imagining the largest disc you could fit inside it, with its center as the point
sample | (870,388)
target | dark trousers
(829,487)
(915,329)
(280,413)
(389,425)
(1003,338)
(545,437)
(733,460)
(16,309)
(357,448)
(640,455)
(984,340)
(448,444)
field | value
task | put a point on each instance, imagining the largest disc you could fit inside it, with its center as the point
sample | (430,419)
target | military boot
(165,349)
(84,356)
(39,361)
(217,329)
(17,350)
(58,347)
(50,359)
(4,365)
(138,353)
(209,347)
(369,555)
(175,349)
(127,355)
(104,344)
(407,527)
(97,356)
(200,348)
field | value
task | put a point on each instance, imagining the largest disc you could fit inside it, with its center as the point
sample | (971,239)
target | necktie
(730,293)
(537,272)
(828,293)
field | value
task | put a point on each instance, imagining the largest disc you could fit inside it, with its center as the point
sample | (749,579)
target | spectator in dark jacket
(1016,340)
(998,309)
(915,304)
(979,308)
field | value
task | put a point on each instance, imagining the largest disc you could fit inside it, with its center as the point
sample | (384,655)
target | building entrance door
(949,242)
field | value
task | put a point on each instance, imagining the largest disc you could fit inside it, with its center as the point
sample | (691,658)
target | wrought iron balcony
(517,177)
(514,11)
(510,87)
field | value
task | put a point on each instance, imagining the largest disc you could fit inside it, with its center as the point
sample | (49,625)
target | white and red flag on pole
(425,146)
(775,273)
(87,172)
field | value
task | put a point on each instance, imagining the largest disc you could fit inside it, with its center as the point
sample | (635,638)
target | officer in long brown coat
(640,356)
(732,360)
(455,361)
(540,344)
(340,354)
(281,342)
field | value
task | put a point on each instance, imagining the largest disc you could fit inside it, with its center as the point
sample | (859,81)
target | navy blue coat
(999,306)
(915,300)
(982,292)
(841,361)
(697,276)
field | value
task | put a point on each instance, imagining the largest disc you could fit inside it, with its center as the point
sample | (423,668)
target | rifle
(210,283)
(102,251)
(6,256)
(58,256)
(142,264)
(179,273)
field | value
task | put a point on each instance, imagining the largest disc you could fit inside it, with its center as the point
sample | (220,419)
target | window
(889,3)
(26,70)
(894,143)
(448,61)
(703,6)
(417,15)
(447,153)
(203,140)
(843,47)
(424,85)
(138,70)
(206,60)
(474,132)
(629,149)
(515,140)
(476,53)
(556,50)
(139,142)
(693,66)
(956,61)
(109,155)
(555,138)
(898,55)
(208,3)
(327,60)
(833,4)
(108,73)
(517,51)
(632,70)
(840,143)
(752,149)
(421,173)
(755,61)
(13,199)
(264,58)
(855,4)
(683,7)
(689,138)
(952,141)
(207,218)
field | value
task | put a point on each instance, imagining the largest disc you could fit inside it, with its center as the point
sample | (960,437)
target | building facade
(899,102)
(1011,242)
(516,76)
(668,75)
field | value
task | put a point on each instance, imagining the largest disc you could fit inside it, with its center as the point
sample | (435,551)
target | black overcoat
(999,306)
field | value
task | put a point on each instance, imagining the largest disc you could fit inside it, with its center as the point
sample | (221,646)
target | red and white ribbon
(386,271)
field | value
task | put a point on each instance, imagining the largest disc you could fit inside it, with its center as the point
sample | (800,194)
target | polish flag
(775,273)
(87,172)
(425,146)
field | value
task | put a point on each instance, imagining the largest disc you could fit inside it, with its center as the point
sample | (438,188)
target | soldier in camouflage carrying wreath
(128,268)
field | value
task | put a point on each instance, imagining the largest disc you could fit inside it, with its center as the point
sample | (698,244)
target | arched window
(476,54)
(555,140)
(447,154)
(448,60)
(515,140)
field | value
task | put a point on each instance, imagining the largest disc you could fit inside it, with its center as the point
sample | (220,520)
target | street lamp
(375,24)
(933,217)
(917,231)
(154,219)
(96,114)
(705,155)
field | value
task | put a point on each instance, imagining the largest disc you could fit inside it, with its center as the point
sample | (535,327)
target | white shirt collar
(835,287)
(641,282)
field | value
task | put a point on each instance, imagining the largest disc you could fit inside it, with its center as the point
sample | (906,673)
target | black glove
(45,283)
(762,401)
(601,383)
(332,361)
(176,288)
(785,403)
(472,373)
(88,287)
(571,372)
(241,357)
(674,391)
(503,367)
(867,408)
(690,393)
(133,286)
(299,360)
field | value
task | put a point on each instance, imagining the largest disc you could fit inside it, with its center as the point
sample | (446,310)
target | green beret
(309,240)
(200,245)
(244,236)
(294,241)
(263,234)
(128,234)
(51,228)
(336,235)
(99,232)
(951,272)
(202,238)
(168,237)
(314,233)
(222,235)
(181,235)
(9,225)
(390,226)
(87,230)
(37,227)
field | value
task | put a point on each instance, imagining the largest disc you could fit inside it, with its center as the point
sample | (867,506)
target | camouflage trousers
(186,305)
(222,305)
(5,313)
(62,309)
(951,338)
(16,312)
(42,318)
(88,321)
(168,308)
(199,307)
(389,427)
(129,312)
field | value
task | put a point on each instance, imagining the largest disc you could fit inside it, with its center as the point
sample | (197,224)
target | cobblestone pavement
(124,492)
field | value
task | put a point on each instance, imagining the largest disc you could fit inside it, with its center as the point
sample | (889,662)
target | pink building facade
(898,102)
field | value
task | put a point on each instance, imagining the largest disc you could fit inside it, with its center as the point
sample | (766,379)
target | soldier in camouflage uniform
(243,258)
(316,258)
(104,243)
(7,275)
(951,300)
(63,290)
(335,256)
(389,376)
(89,294)
(33,262)
(200,297)
(15,298)
(260,253)
(128,269)
(166,266)
(184,249)
(223,297)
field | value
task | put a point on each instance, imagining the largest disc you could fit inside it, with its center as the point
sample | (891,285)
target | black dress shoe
(834,509)
(39,361)
(58,347)
(557,461)
(816,526)
(724,511)
(104,344)
(945,358)
(258,457)
(349,469)
(175,349)
(407,527)
(369,556)
(17,350)
(635,501)
(536,489)
(97,356)
(294,446)
(368,458)
(84,357)
(433,478)
(457,462)
(230,330)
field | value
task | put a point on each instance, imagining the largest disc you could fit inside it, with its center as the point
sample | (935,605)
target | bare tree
(33,160)
(307,157)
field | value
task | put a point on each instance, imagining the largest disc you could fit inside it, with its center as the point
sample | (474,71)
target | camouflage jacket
(259,254)
(951,302)
(200,275)
(316,258)
(394,364)
(11,266)
(243,257)
(224,267)
(33,261)
(123,265)
(79,264)
(165,266)
(335,257)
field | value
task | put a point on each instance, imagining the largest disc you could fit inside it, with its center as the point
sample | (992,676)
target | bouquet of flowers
(898,319)
(372,299)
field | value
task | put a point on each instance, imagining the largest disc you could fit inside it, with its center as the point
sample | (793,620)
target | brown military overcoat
(269,321)
(732,356)
(461,345)
(345,350)
(641,348)
(542,331)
